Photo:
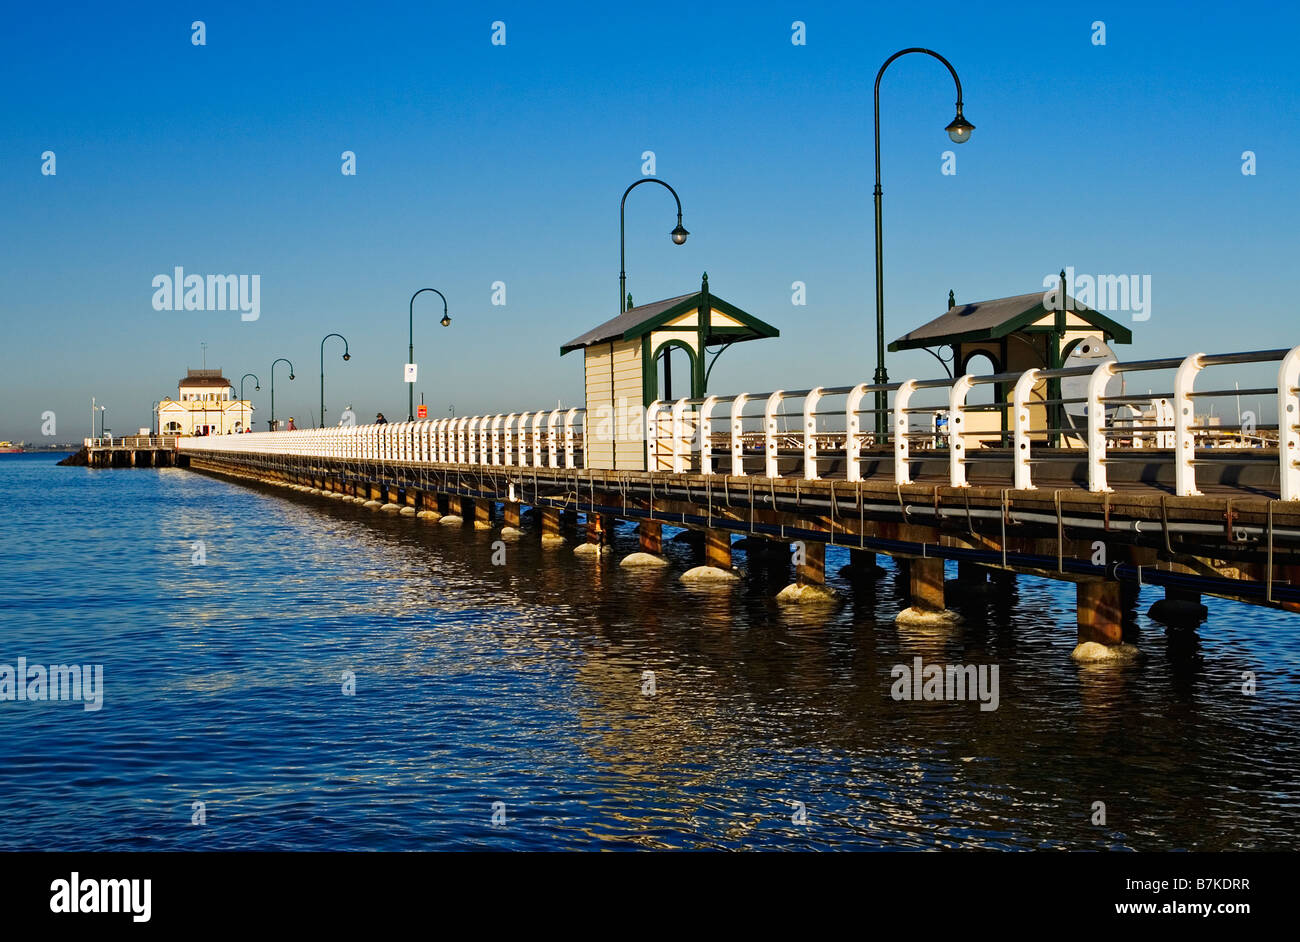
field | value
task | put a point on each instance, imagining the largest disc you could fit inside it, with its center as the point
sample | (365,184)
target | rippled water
(522,684)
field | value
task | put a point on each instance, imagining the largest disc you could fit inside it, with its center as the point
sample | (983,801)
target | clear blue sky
(479,163)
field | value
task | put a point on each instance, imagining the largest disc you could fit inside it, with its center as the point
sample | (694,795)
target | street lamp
(280,360)
(678,235)
(346,356)
(257,385)
(410,347)
(959,131)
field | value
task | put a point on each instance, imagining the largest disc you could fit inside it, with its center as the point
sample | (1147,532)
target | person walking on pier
(292,427)
(379,419)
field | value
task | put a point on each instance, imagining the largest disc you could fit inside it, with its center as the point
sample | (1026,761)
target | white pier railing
(829,432)
(525,439)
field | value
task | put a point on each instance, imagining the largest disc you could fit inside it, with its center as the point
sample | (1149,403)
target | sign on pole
(409,375)
(422,411)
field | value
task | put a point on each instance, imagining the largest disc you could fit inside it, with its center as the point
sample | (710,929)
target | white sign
(410,373)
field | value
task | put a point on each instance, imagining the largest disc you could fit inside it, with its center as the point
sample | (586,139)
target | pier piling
(551,526)
(1101,622)
(811,570)
(510,515)
(717,548)
(925,593)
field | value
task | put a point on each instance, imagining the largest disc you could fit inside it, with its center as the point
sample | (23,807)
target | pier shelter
(653,352)
(1011,335)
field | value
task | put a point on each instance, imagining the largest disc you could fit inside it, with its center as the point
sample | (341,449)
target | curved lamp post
(280,360)
(410,343)
(346,356)
(257,384)
(678,235)
(959,130)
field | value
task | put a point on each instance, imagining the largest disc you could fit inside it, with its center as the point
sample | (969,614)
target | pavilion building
(204,406)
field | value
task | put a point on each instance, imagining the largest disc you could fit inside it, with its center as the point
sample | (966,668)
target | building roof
(204,378)
(639,321)
(990,320)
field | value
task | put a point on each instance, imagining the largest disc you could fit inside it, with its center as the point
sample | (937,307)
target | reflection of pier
(131,451)
(1107,515)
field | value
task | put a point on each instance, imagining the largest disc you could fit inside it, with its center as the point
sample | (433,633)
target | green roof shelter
(1027,331)
(626,357)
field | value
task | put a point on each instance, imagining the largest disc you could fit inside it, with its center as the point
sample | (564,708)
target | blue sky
(479,163)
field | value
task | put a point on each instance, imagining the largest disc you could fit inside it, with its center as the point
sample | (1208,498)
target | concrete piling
(717,559)
(809,576)
(551,527)
(599,536)
(1101,622)
(650,542)
(650,537)
(717,548)
(925,592)
(862,563)
(511,528)
(1180,608)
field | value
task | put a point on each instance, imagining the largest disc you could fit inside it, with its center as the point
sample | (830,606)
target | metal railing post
(810,402)
(853,433)
(961,387)
(1184,424)
(1096,416)
(770,450)
(1020,446)
(706,434)
(1288,414)
(737,435)
(902,471)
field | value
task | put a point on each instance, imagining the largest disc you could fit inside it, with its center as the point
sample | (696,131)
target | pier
(131,451)
(1141,491)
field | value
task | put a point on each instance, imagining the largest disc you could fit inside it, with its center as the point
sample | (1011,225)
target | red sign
(422,412)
